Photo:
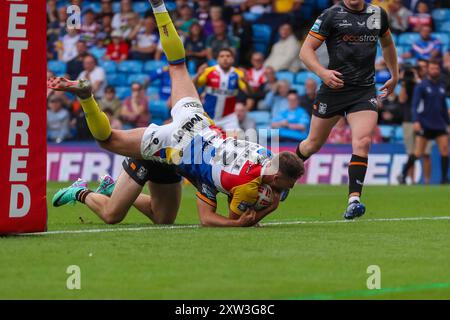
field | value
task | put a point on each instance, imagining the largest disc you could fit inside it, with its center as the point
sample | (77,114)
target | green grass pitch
(322,259)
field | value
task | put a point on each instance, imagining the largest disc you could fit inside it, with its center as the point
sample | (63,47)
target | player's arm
(389,55)
(243,83)
(201,76)
(210,218)
(265,212)
(313,41)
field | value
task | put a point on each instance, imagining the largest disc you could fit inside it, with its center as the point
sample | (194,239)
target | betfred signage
(23,116)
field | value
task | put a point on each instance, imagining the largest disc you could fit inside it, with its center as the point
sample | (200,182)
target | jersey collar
(351,10)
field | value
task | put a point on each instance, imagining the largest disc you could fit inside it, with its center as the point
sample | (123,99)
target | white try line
(195,226)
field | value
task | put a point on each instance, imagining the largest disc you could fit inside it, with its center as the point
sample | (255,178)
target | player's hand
(417,127)
(387,88)
(332,79)
(202,68)
(248,218)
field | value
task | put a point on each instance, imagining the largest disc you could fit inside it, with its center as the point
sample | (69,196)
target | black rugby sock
(409,164)
(444,168)
(82,194)
(357,169)
(300,155)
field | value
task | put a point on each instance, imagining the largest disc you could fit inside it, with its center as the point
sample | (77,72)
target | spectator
(421,18)
(89,28)
(341,133)
(271,79)
(106,10)
(293,119)
(390,110)
(119,20)
(105,28)
(67,50)
(116,124)
(427,47)
(111,102)
(245,122)
(203,16)
(117,50)
(165,86)
(145,46)
(75,66)
(99,49)
(195,46)
(58,119)
(284,53)
(220,40)
(398,16)
(185,20)
(256,79)
(134,112)
(241,29)
(95,75)
(307,100)
(276,99)
(133,26)
(56,30)
(286,6)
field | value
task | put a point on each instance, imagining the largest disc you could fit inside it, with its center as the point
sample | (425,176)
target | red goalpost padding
(23,148)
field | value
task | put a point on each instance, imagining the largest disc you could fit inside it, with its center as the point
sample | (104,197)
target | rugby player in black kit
(351,30)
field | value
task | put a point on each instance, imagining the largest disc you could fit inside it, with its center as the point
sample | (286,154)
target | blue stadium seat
(152,92)
(116,6)
(171,6)
(443,37)
(387,131)
(123,92)
(398,137)
(260,47)
(444,27)
(130,66)
(291,134)
(139,78)
(249,16)
(153,65)
(285,75)
(141,7)
(262,33)
(305,75)
(262,118)
(408,38)
(158,109)
(94,6)
(300,88)
(109,66)
(157,121)
(57,67)
(116,79)
(440,15)
(448,103)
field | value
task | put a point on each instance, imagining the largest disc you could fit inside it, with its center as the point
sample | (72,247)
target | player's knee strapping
(96,119)
(170,40)
(356,173)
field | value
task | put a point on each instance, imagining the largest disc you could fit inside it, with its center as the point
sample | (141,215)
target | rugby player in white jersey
(191,143)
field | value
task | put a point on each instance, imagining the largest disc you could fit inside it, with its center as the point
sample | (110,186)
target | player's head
(434,69)
(283,171)
(225,58)
(354,3)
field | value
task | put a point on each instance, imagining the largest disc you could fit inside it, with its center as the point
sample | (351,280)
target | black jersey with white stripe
(351,38)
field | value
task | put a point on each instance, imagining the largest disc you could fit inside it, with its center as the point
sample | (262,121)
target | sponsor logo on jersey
(345,23)
(374,102)
(361,24)
(360,38)
(187,126)
(316,26)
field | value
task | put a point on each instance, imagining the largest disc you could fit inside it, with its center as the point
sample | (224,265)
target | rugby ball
(265,197)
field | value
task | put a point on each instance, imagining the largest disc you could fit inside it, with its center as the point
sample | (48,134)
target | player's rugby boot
(65,196)
(81,88)
(401,179)
(354,210)
(106,186)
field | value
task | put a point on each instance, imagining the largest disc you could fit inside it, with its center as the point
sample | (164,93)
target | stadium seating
(141,7)
(440,16)
(408,38)
(305,75)
(108,66)
(285,75)
(262,118)
(262,35)
(444,27)
(290,134)
(57,67)
(141,78)
(153,65)
(116,79)
(130,66)
(123,92)
(158,109)
(299,88)
(387,132)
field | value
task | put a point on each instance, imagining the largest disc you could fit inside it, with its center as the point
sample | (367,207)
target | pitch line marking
(195,226)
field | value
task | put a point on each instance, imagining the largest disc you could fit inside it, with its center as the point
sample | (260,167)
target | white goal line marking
(195,226)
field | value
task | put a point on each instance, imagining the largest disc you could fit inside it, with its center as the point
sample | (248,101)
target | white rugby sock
(353,198)
(159,6)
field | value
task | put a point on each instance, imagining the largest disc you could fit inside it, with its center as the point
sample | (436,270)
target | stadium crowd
(117,48)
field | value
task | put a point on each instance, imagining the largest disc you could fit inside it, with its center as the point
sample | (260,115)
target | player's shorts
(189,118)
(431,134)
(154,171)
(330,103)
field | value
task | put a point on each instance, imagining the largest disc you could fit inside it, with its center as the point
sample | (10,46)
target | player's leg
(420,146)
(127,143)
(442,142)
(163,203)
(318,134)
(362,125)
(182,85)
